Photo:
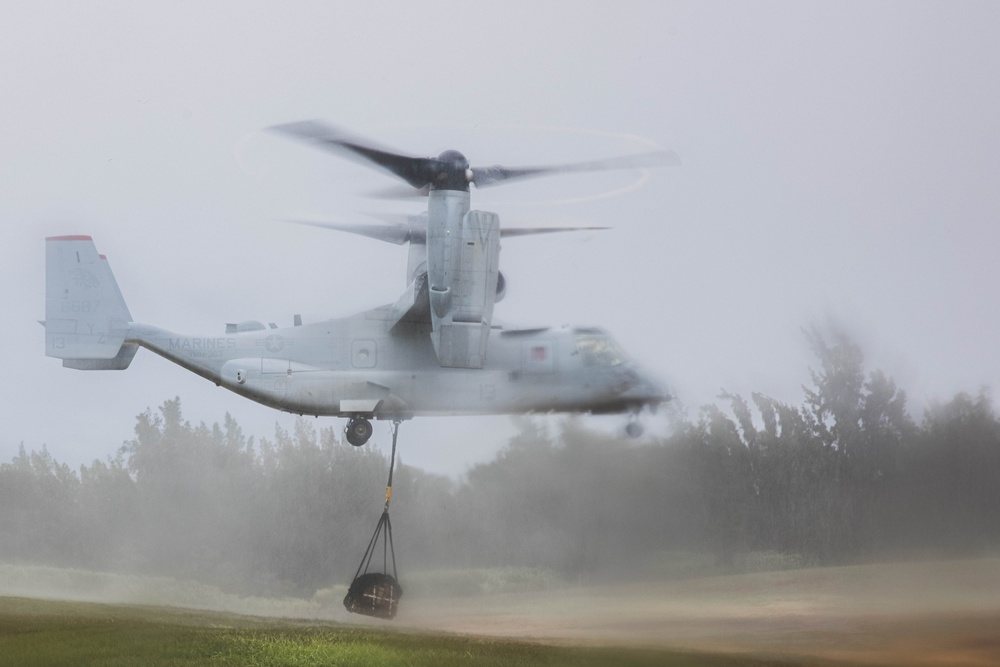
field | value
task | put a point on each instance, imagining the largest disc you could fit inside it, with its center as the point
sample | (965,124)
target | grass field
(933,613)
(35,632)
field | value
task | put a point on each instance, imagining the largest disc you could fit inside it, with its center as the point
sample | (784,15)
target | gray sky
(840,161)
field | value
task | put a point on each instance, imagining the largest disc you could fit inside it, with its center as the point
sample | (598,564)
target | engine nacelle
(501,287)
(462,298)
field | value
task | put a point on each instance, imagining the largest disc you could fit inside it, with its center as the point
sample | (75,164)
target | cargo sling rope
(377,593)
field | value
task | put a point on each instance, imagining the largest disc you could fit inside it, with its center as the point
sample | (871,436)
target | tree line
(846,476)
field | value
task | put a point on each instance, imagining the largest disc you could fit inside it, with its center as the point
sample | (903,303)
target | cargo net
(377,593)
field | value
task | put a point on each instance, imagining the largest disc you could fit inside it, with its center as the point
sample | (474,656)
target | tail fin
(86,319)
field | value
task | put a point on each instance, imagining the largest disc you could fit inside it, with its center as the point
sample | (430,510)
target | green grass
(34,632)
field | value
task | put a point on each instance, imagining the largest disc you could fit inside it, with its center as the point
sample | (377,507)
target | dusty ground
(919,614)
(932,613)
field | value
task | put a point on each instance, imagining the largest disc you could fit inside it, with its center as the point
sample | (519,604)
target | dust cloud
(759,527)
(916,613)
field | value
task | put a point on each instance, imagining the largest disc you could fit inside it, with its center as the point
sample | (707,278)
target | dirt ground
(919,614)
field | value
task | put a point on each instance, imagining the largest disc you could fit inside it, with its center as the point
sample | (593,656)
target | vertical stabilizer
(86,319)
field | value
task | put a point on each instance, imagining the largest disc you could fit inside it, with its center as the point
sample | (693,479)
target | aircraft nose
(647,390)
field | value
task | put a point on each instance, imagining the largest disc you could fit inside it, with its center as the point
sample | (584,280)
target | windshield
(599,350)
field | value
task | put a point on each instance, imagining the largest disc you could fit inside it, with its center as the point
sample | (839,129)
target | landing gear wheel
(358,431)
(633,429)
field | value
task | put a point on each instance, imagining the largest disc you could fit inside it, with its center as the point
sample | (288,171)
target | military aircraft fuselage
(436,351)
(354,367)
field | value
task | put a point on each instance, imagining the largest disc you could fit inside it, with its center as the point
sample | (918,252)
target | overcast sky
(841,162)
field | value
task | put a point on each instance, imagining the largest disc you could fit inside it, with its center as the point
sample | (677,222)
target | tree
(953,475)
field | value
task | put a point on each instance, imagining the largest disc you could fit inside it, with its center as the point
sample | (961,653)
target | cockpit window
(598,350)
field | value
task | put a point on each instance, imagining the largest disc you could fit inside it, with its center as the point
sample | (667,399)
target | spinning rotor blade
(398,234)
(507,232)
(417,171)
(485,177)
(450,170)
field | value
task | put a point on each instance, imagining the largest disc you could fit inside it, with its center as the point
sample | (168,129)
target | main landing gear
(358,431)
(634,428)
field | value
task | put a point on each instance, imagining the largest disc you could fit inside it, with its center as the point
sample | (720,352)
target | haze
(839,163)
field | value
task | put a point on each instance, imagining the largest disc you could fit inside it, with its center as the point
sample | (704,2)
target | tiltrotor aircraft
(435,351)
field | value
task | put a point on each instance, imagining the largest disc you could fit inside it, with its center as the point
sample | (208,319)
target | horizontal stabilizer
(119,363)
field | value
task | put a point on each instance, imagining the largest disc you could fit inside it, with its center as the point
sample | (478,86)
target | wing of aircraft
(462,318)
